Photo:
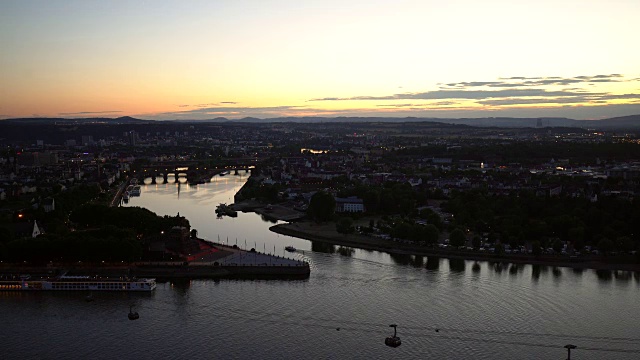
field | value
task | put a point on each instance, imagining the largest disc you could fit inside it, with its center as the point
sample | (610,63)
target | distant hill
(623,122)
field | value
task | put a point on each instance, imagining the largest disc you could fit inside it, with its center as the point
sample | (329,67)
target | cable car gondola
(393,341)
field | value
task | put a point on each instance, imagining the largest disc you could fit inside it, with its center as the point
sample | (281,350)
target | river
(480,310)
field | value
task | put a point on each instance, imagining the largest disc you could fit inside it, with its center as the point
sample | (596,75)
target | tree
(345,225)
(402,230)
(536,249)
(436,220)
(576,236)
(322,206)
(605,245)
(457,238)
(431,234)
(557,245)
(625,244)
(476,242)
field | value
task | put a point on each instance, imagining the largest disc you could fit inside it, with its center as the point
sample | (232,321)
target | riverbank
(226,262)
(177,271)
(326,233)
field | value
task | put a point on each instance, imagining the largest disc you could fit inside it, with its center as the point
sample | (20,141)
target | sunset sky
(206,59)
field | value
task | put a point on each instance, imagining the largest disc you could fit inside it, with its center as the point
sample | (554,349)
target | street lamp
(569,347)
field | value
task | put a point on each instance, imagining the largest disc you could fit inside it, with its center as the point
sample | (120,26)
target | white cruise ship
(71,283)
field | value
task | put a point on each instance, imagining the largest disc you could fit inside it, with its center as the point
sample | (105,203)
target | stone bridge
(195,172)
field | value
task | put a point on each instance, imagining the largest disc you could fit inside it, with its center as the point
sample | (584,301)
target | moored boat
(73,283)
(135,191)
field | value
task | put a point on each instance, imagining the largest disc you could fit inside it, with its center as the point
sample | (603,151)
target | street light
(569,347)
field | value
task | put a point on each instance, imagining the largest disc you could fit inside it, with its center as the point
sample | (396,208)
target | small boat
(135,191)
(290,248)
(133,315)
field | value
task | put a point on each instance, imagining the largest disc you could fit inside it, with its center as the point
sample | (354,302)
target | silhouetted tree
(476,242)
(322,206)
(457,238)
(605,245)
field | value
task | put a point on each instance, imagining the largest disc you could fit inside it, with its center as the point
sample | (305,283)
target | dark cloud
(89,112)
(617,96)
(585,98)
(430,104)
(517,90)
(529,101)
(517,78)
(205,105)
(475,83)
(397,105)
(521,81)
(236,110)
(463,94)
(574,111)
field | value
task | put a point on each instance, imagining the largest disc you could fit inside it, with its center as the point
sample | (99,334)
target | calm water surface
(482,310)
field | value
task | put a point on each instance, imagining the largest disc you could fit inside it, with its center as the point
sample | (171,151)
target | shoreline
(371,243)
(228,262)
(163,272)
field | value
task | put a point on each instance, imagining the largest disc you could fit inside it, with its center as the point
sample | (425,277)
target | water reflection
(345,251)
(514,269)
(622,276)
(604,275)
(578,271)
(535,272)
(476,267)
(322,247)
(180,286)
(408,260)
(456,265)
(556,272)
(418,261)
(401,259)
(433,263)
(497,267)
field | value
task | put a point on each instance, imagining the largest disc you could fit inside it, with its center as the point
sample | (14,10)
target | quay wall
(221,272)
(172,271)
